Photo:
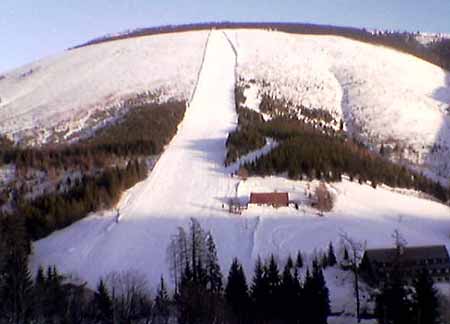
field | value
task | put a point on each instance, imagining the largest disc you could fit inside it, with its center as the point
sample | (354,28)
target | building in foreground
(377,264)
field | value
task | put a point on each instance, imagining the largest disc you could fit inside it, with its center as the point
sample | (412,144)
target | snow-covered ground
(64,93)
(190,180)
(384,96)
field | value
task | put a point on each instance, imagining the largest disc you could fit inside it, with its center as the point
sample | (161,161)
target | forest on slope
(60,184)
(315,151)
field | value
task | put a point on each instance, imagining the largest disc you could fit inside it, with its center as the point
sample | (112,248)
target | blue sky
(31,29)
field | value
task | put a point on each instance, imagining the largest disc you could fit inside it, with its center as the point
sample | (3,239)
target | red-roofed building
(274,199)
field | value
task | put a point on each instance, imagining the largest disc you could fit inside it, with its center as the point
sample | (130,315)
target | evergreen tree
(259,291)
(331,256)
(316,296)
(16,286)
(236,292)
(392,304)
(214,273)
(103,304)
(322,299)
(426,302)
(299,260)
(273,286)
(346,256)
(289,291)
(162,304)
(324,261)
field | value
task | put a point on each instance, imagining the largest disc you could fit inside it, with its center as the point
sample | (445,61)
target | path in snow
(189,180)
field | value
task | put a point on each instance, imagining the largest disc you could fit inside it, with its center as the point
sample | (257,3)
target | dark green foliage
(199,297)
(316,297)
(236,294)
(426,303)
(259,292)
(241,142)
(143,131)
(103,304)
(162,304)
(111,161)
(290,292)
(308,151)
(246,137)
(392,304)
(213,272)
(331,256)
(16,285)
(299,260)
(273,290)
(316,152)
(58,210)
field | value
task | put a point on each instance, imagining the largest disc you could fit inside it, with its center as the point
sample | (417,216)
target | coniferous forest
(89,175)
(315,151)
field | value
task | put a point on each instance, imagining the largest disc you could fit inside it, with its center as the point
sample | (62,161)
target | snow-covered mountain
(83,88)
(384,97)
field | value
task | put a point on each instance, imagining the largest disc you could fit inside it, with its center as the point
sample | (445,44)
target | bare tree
(323,198)
(131,297)
(178,256)
(356,250)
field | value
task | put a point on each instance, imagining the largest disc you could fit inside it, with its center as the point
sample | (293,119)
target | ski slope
(78,89)
(190,180)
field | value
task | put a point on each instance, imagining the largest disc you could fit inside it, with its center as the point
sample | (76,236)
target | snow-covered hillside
(80,88)
(384,96)
(190,180)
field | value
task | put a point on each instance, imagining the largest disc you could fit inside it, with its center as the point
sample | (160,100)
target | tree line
(437,53)
(144,130)
(201,294)
(104,165)
(291,292)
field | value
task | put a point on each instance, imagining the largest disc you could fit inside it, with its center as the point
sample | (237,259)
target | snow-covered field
(64,93)
(190,180)
(384,96)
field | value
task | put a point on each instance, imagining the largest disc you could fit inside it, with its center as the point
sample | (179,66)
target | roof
(413,253)
(270,198)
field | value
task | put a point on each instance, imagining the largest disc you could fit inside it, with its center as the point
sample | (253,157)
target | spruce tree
(322,295)
(16,286)
(331,256)
(103,304)
(214,273)
(259,291)
(236,292)
(289,292)
(392,304)
(426,302)
(299,260)
(273,285)
(162,304)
